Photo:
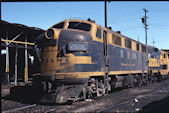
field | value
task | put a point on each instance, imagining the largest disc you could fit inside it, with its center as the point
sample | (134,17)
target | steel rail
(16,109)
(112,107)
(48,111)
(52,109)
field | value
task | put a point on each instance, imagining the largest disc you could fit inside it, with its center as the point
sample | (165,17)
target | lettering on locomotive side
(123,64)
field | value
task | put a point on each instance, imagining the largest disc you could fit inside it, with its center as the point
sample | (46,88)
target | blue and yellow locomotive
(158,63)
(80,59)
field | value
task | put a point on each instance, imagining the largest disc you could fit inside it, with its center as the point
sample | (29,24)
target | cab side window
(116,40)
(138,48)
(164,55)
(143,48)
(98,33)
(128,43)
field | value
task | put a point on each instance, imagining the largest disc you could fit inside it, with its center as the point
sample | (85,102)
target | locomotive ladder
(106,59)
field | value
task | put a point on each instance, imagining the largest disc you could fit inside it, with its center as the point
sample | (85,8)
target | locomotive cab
(64,45)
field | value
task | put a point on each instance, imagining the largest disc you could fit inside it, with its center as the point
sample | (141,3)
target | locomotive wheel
(100,88)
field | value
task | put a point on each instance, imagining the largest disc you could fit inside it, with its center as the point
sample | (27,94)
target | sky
(124,16)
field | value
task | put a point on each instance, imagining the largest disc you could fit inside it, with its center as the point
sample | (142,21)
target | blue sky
(124,16)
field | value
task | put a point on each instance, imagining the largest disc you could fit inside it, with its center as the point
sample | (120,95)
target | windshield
(59,26)
(80,25)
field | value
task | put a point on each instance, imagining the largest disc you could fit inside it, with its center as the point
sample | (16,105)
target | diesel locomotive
(80,59)
(158,63)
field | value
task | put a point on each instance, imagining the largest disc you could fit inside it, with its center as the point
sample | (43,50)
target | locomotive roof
(106,29)
(90,22)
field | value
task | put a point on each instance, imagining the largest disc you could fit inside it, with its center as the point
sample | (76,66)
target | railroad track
(19,108)
(96,105)
(35,108)
(50,110)
(110,108)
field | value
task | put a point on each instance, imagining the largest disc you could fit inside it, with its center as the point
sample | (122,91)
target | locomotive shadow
(22,101)
(24,95)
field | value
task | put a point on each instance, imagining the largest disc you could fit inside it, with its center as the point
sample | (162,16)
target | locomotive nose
(44,40)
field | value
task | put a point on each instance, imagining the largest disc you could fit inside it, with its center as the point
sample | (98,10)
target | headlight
(49,34)
(77,46)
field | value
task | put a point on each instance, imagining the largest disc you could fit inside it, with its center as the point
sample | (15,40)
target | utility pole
(138,38)
(105,9)
(144,20)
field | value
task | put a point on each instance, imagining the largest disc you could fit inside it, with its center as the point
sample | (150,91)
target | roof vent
(93,21)
(118,32)
(109,28)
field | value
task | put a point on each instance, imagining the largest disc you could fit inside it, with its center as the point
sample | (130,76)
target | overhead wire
(125,20)
(161,41)
(130,13)
(159,25)
(134,28)
(130,17)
